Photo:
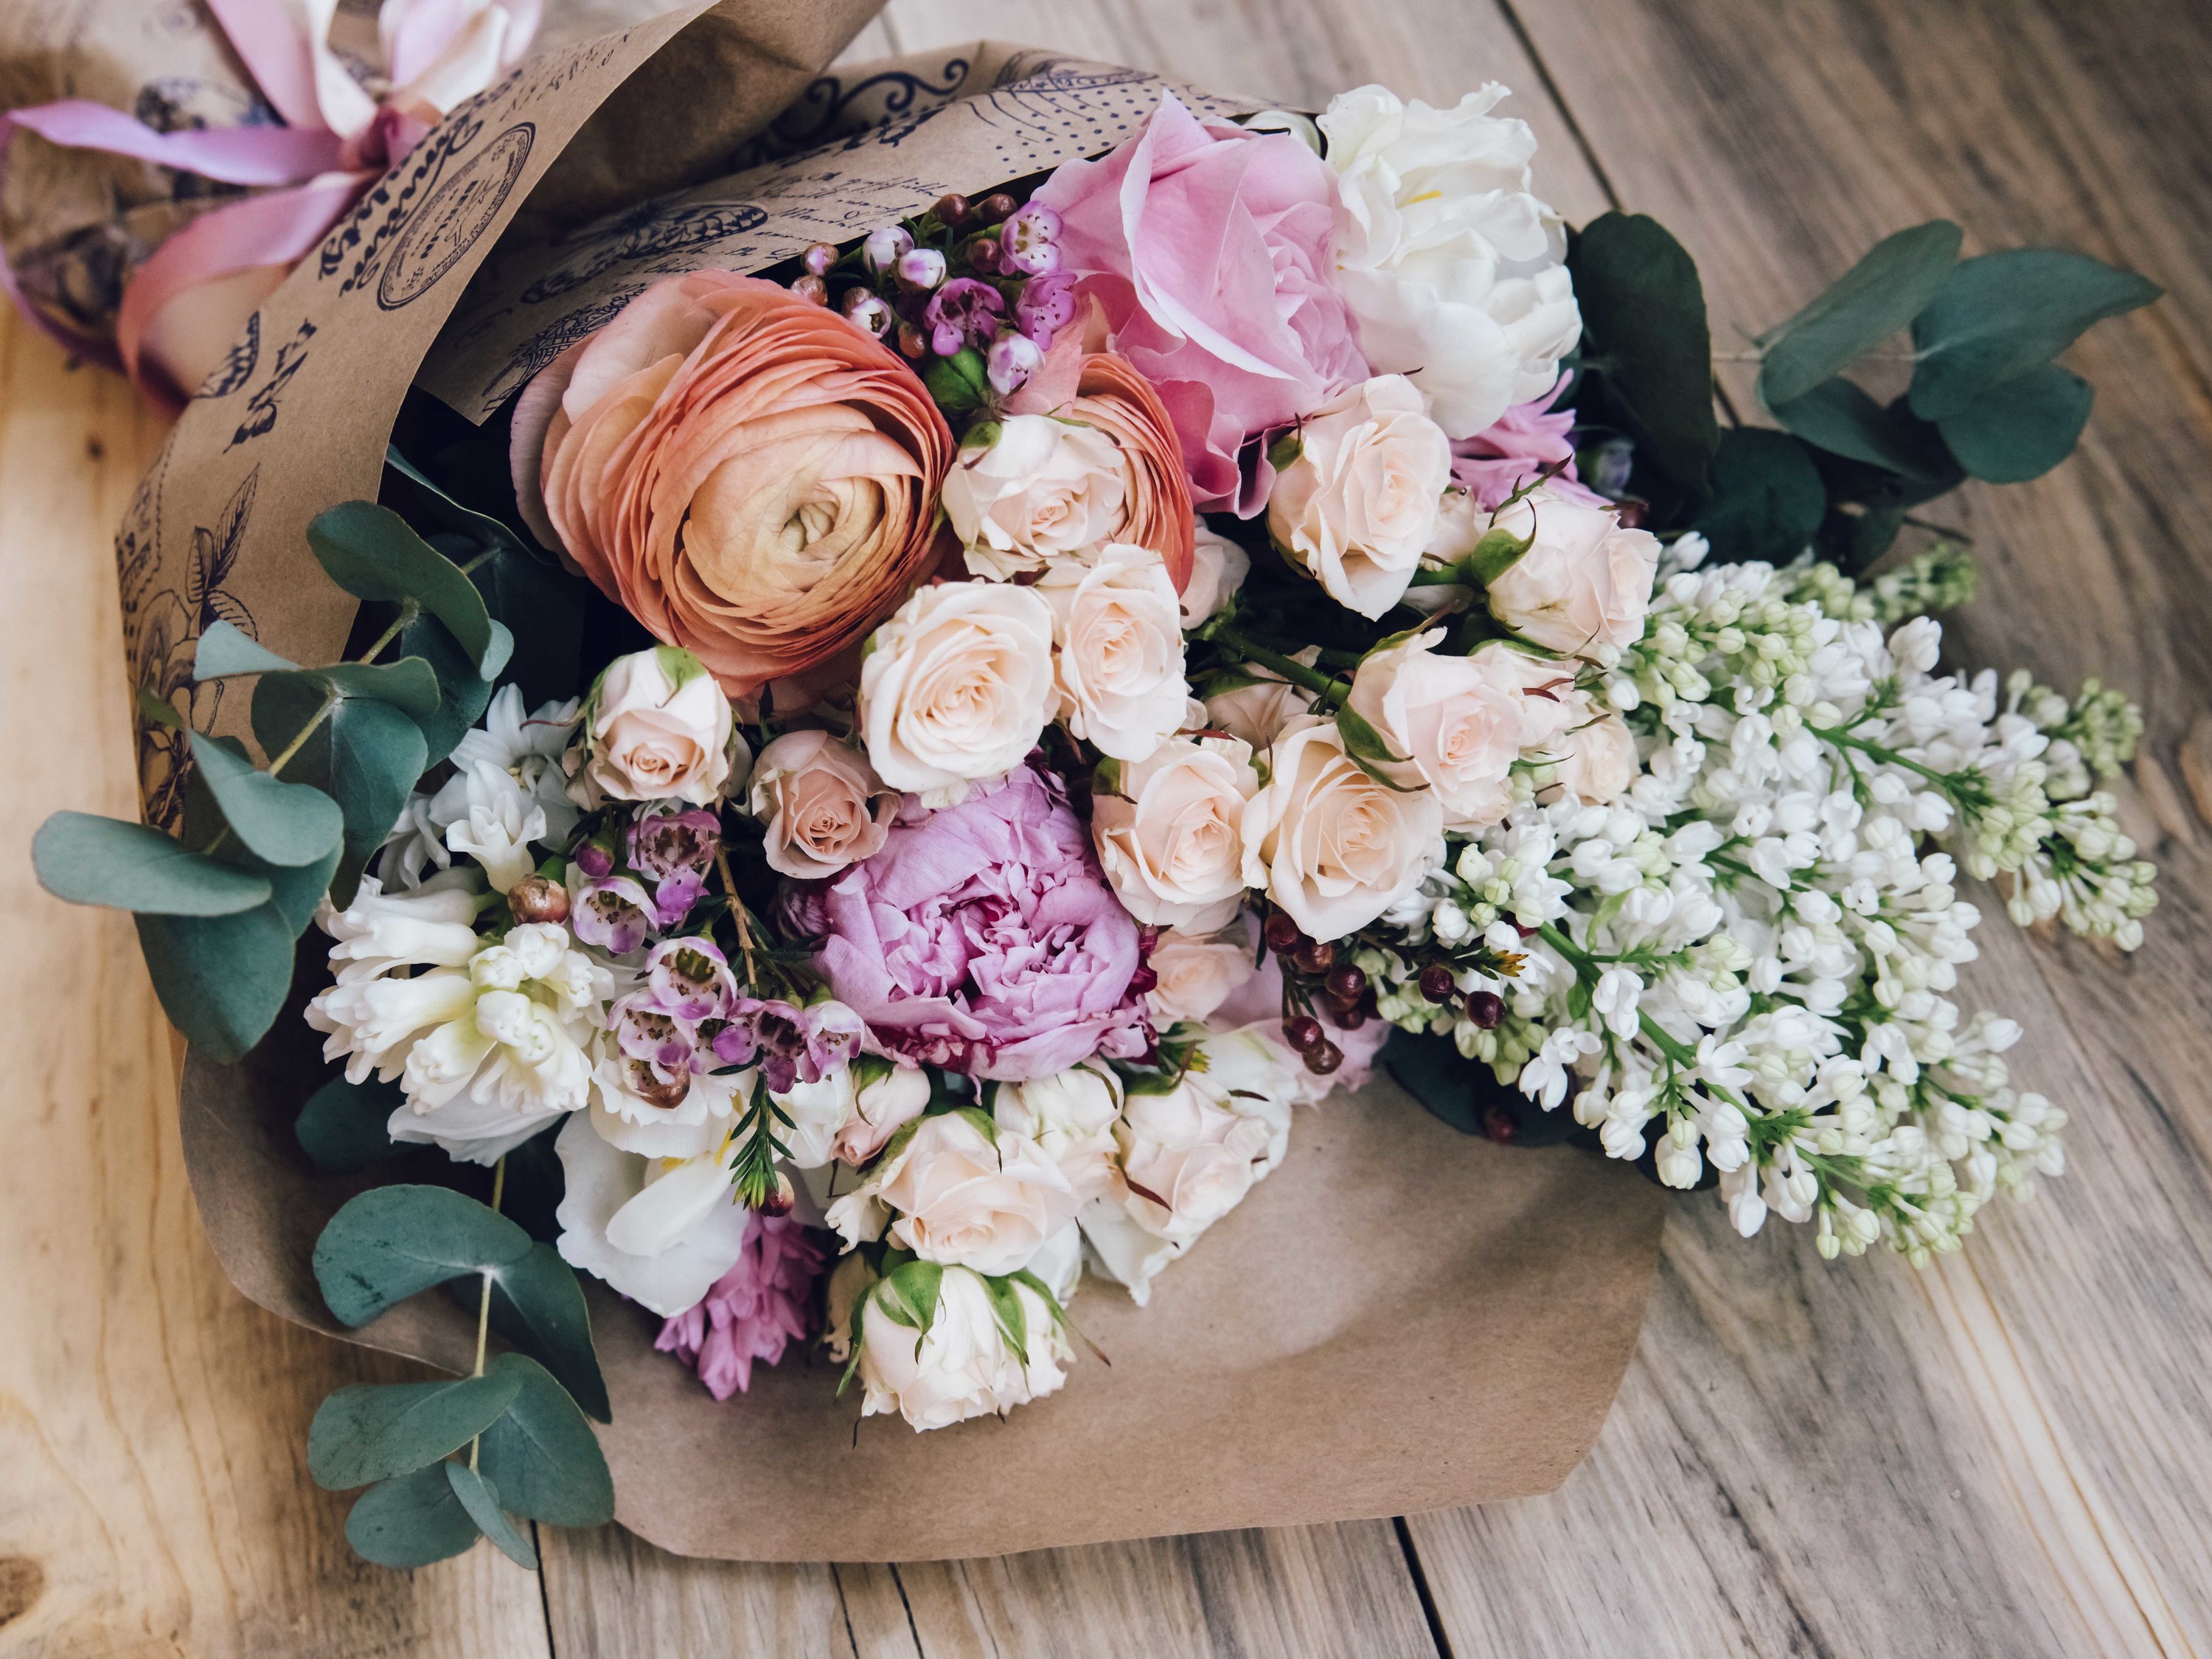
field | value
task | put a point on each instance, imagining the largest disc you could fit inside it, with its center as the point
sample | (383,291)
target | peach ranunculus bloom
(746,473)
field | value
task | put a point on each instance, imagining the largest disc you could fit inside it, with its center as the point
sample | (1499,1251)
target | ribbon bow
(185,305)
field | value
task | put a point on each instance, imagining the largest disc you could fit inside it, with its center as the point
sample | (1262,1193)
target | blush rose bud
(538,898)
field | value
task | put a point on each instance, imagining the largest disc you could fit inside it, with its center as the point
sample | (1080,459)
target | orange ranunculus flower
(745,472)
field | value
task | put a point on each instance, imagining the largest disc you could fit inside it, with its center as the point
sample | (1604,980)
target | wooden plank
(608,1592)
(2013,1454)
(152,1424)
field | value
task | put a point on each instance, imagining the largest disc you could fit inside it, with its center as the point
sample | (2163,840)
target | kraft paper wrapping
(1399,1318)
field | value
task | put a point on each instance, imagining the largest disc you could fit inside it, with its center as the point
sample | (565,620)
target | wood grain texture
(153,1491)
(2010,1454)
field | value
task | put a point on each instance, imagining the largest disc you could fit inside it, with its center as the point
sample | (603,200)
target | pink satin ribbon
(325,172)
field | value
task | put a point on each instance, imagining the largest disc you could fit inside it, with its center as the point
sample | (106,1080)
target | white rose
(1168,837)
(957,686)
(657,728)
(659,1230)
(1218,569)
(1117,626)
(1263,705)
(888,1095)
(941,1365)
(1359,504)
(821,803)
(818,1113)
(1197,972)
(1329,844)
(1450,265)
(961,1194)
(1597,760)
(1458,730)
(1040,488)
(1543,686)
(1070,1116)
(1585,583)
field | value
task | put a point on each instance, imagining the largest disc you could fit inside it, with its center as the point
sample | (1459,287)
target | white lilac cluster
(1749,959)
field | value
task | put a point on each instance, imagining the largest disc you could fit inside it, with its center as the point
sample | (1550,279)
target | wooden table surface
(2008,1454)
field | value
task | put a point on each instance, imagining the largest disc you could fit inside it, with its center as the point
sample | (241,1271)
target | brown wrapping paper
(1399,1318)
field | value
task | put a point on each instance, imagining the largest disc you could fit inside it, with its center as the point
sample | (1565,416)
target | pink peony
(1209,249)
(753,1310)
(983,939)
(1527,439)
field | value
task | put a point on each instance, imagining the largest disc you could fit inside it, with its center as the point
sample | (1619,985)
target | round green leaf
(542,1455)
(221,980)
(286,823)
(1767,497)
(1841,418)
(410,684)
(342,1127)
(410,1521)
(2002,314)
(365,757)
(391,1242)
(2022,428)
(369,1433)
(226,649)
(463,693)
(481,1500)
(370,551)
(538,1305)
(1865,306)
(87,859)
(1647,341)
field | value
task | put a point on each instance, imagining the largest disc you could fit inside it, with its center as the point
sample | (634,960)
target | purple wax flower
(985,940)
(1047,305)
(645,1032)
(691,978)
(753,1310)
(1011,361)
(663,843)
(920,270)
(594,860)
(965,312)
(884,247)
(673,898)
(1029,242)
(613,913)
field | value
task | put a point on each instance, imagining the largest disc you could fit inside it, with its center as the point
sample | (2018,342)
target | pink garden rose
(753,1310)
(983,939)
(1209,248)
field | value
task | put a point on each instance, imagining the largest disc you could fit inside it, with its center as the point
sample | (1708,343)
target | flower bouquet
(918,712)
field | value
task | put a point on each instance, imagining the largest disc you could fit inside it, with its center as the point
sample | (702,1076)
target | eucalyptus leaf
(2020,428)
(1768,499)
(2002,314)
(87,859)
(1645,335)
(463,692)
(367,755)
(410,684)
(1870,302)
(543,608)
(479,527)
(538,1305)
(370,551)
(294,892)
(286,823)
(389,1243)
(226,649)
(1843,419)
(342,1126)
(542,1455)
(410,1521)
(378,1430)
(222,980)
(481,1500)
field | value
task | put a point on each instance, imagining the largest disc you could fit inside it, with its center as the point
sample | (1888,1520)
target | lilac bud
(1029,242)
(1046,306)
(884,247)
(920,269)
(1011,360)
(868,313)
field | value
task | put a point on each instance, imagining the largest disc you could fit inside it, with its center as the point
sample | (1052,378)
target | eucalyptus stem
(1331,691)
(484,1301)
